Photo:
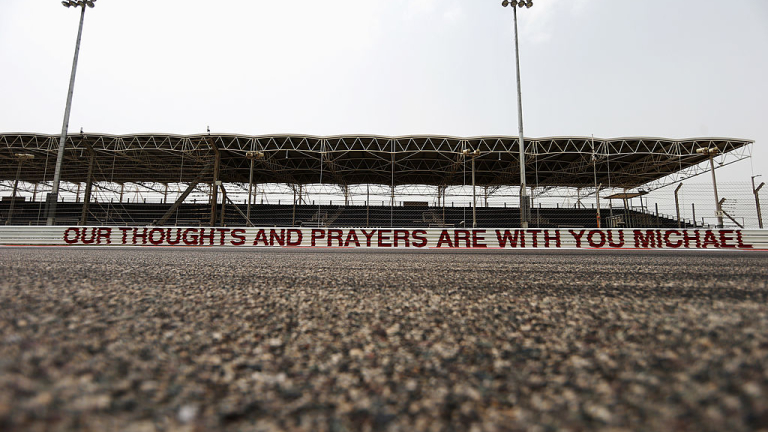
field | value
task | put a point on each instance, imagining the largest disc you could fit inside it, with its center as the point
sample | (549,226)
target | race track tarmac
(260,340)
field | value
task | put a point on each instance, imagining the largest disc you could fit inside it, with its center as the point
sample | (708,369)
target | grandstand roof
(364,159)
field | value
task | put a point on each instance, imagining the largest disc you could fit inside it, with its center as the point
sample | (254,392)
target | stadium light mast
(524,203)
(53,197)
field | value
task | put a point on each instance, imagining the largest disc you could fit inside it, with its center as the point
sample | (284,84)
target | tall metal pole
(597,188)
(392,198)
(53,198)
(250,195)
(677,204)
(756,191)
(693,214)
(474,196)
(718,210)
(523,191)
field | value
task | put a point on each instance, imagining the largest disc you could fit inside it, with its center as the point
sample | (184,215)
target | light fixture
(53,197)
(81,3)
(524,201)
(709,150)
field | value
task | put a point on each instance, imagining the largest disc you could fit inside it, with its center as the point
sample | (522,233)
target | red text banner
(401,238)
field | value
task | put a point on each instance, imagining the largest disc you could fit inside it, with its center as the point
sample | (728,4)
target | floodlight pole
(524,203)
(53,198)
(474,195)
(523,187)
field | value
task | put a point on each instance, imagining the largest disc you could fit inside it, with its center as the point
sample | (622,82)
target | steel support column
(756,192)
(677,205)
(182,197)
(13,197)
(88,185)
(718,209)
(215,184)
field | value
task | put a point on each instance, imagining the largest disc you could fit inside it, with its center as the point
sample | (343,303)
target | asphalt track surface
(148,339)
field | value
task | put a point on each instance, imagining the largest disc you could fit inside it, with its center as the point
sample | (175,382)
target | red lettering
(461,235)
(168,237)
(621,239)
(577,237)
(125,235)
(419,235)
(591,239)
(444,238)
(647,240)
(709,239)
(509,238)
(69,240)
(368,237)
(724,239)
(548,238)
(534,235)
(668,243)
(222,232)
(208,236)
(190,240)
(142,236)
(261,236)
(382,238)
(351,236)
(687,239)
(299,237)
(274,237)
(335,234)
(105,233)
(85,240)
(238,234)
(402,235)
(152,233)
(476,239)
(316,235)
(740,242)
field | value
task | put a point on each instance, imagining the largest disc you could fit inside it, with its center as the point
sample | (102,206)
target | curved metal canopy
(359,159)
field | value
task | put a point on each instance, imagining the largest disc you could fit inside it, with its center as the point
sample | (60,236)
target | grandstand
(143,214)
(221,167)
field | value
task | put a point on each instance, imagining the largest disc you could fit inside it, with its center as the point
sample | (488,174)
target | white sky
(676,69)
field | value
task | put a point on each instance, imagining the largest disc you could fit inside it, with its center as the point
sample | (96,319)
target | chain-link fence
(684,204)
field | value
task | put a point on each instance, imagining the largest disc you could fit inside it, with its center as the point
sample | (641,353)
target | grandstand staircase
(434,219)
(323,218)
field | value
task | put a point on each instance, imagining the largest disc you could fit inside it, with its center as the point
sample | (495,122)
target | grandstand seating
(188,214)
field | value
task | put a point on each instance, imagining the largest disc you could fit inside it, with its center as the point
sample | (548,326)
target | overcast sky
(612,68)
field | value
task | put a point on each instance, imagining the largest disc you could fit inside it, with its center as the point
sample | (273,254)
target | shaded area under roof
(361,159)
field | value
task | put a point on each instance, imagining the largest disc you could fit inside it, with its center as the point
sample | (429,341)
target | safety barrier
(387,238)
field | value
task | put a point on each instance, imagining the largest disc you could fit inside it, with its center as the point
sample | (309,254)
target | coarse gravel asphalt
(143,339)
